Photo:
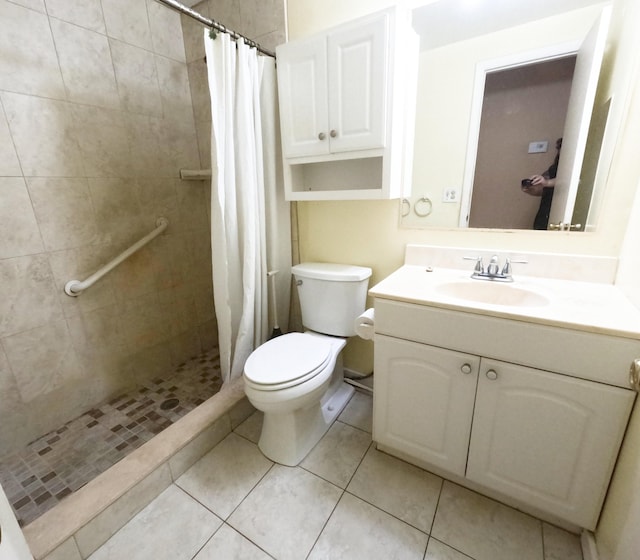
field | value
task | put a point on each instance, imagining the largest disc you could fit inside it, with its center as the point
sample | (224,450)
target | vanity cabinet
(424,401)
(546,439)
(346,98)
(501,420)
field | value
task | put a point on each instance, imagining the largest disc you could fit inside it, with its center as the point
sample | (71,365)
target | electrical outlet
(450,195)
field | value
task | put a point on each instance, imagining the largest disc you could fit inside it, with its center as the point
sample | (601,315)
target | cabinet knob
(492,374)
(322,136)
(466,368)
(333,133)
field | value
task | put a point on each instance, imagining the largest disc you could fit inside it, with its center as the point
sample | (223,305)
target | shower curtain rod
(214,24)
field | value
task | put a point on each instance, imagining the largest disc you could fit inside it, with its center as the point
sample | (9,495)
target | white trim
(482,69)
(589,546)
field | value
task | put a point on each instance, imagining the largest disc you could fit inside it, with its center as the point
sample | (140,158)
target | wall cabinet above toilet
(347,97)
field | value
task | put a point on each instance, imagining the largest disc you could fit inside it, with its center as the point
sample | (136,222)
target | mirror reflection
(483,136)
(523,114)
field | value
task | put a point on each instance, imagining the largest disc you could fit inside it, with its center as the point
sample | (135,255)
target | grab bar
(74,287)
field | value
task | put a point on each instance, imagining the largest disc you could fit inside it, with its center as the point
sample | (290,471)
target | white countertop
(592,307)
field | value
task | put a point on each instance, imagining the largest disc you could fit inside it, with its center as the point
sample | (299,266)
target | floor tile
(407,492)
(338,454)
(277,514)
(440,551)
(228,544)
(251,428)
(67,551)
(485,529)
(359,530)
(560,544)
(359,411)
(225,475)
(172,527)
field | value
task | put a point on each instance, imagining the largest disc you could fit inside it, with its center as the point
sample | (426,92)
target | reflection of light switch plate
(450,195)
(538,147)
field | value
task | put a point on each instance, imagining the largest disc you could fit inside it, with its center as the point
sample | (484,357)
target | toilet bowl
(297,379)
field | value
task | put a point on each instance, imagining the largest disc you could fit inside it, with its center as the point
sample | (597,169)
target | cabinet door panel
(423,401)
(302,88)
(358,85)
(547,439)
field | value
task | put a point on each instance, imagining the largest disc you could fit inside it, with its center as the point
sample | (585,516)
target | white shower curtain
(238,239)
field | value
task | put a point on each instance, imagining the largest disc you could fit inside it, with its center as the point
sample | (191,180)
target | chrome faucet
(493,271)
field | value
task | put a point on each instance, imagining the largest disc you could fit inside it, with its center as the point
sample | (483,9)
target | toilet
(297,379)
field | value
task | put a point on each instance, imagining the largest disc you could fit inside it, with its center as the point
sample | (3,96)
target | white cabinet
(347,97)
(544,439)
(424,401)
(548,440)
(333,90)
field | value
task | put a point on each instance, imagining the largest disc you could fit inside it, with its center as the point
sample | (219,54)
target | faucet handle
(506,269)
(479,268)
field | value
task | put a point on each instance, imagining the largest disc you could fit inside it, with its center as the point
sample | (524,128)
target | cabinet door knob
(492,374)
(333,133)
(466,368)
(322,136)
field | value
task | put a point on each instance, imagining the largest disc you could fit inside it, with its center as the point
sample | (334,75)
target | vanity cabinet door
(546,439)
(423,401)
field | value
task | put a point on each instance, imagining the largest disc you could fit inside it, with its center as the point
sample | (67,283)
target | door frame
(483,68)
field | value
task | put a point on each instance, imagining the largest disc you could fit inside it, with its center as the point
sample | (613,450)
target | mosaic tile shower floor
(62,461)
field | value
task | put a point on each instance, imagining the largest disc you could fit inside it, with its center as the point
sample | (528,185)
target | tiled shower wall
(96,120)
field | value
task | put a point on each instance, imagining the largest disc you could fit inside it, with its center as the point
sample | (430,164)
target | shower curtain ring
(423,212)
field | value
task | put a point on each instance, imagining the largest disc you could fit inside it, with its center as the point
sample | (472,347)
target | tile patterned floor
(346,500)
(62,461)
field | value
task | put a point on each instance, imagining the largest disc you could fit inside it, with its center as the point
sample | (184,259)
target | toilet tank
(331,296)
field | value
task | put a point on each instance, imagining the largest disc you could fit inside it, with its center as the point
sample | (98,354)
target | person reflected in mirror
(543,186)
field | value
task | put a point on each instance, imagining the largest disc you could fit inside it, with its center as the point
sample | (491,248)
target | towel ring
(402,207)
(422,212)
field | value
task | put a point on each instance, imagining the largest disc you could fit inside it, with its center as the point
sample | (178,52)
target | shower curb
(85,520)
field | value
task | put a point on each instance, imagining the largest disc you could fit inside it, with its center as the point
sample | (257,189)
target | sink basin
(493,293)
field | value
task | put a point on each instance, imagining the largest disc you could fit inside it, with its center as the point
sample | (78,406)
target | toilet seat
(287,361)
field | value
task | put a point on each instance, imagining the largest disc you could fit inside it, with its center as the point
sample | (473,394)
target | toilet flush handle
(298,282)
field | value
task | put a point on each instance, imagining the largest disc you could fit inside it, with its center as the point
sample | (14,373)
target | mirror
(457,44)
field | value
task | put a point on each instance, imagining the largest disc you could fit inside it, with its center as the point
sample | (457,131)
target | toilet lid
(286,358)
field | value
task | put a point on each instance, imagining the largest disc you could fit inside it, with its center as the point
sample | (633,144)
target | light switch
(539,147)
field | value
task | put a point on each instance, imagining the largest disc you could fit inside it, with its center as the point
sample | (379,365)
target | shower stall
(101,105)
